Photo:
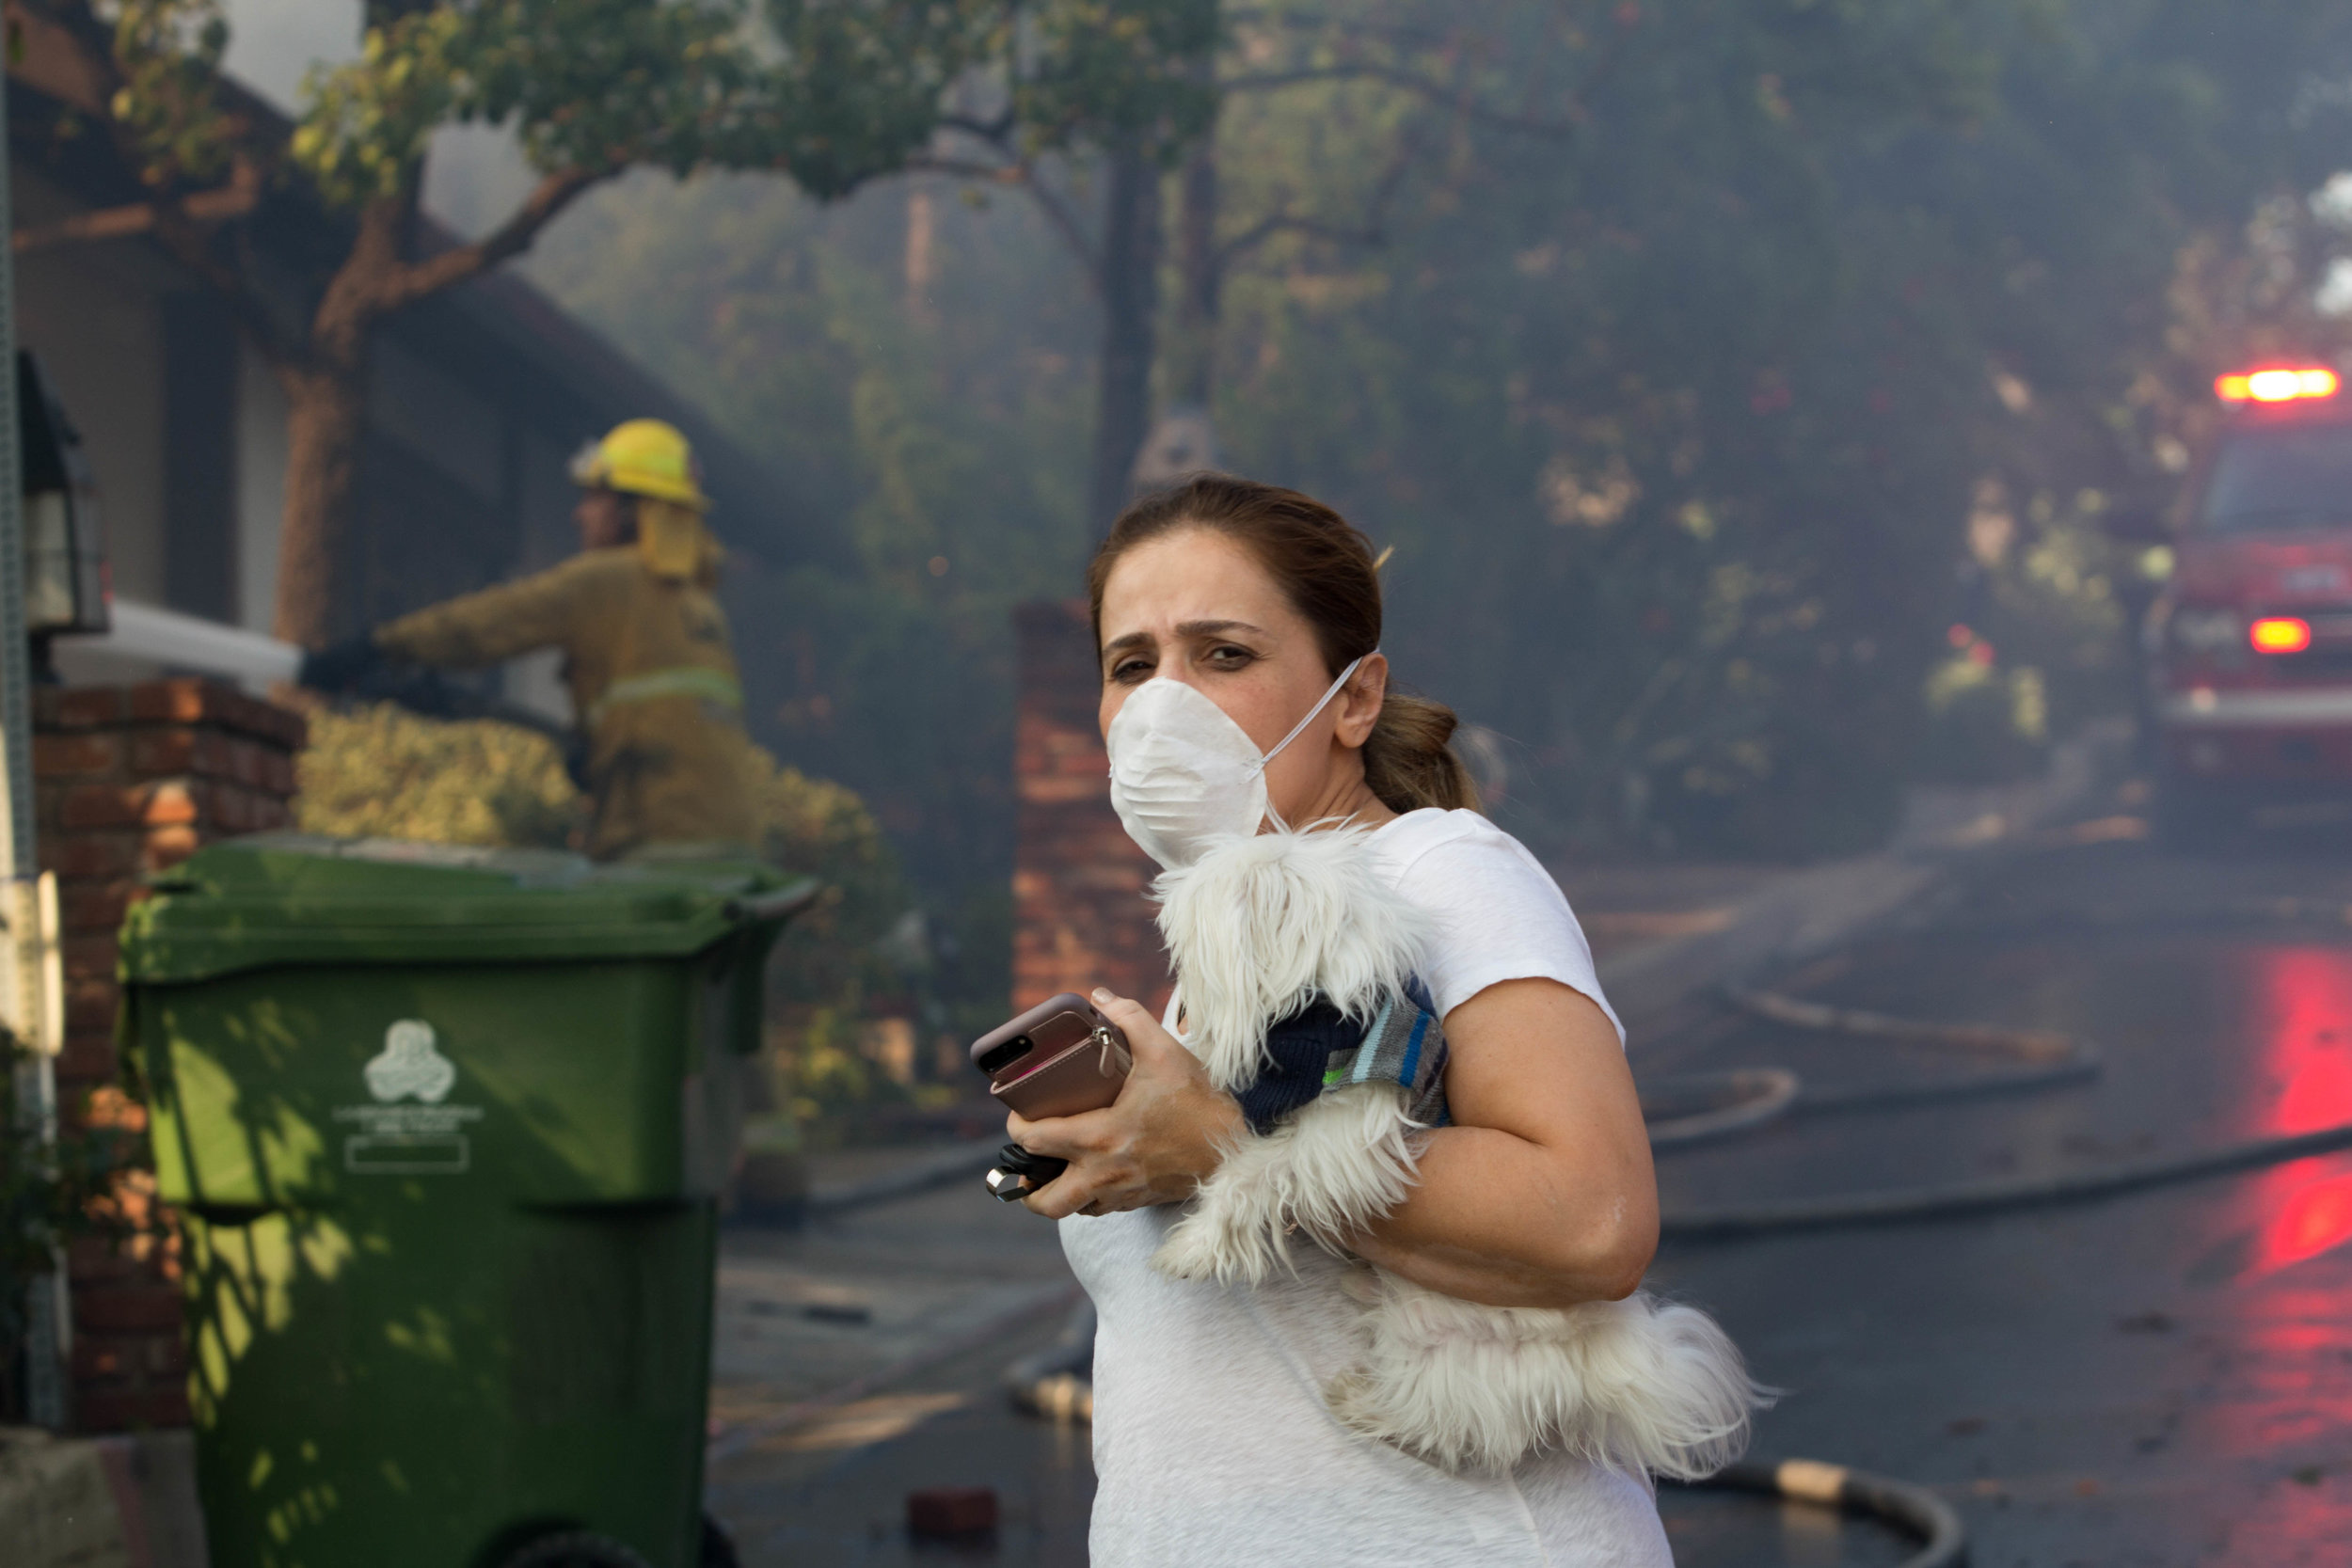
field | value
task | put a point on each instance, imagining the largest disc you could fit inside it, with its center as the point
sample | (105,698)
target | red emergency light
(2282,383)
(2280,634)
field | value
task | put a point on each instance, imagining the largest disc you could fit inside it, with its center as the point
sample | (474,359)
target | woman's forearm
(1509,1223)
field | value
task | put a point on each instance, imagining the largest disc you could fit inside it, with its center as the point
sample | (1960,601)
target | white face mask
(1183,774)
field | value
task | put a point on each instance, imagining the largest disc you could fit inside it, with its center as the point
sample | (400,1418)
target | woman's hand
(1168,1131)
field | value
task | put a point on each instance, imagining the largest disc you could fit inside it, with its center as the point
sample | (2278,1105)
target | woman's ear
(1359,701)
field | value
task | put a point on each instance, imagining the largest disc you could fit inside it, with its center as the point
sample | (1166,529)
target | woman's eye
(1229,657)
(1131,669)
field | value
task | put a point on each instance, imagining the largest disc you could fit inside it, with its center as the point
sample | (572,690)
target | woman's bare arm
(1539,1195)
(1541,1192)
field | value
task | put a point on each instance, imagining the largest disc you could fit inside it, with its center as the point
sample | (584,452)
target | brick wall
(132,779)
(1080,917)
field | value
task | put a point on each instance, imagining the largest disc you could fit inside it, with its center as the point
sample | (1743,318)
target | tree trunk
(1131,298)
(1192,358)
(326,396)
(922,266)
(326,416)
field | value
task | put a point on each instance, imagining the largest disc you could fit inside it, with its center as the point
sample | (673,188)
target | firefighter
(646,651)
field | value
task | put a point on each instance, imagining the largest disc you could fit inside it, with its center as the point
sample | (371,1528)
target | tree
(1130,90)
(1130,82)
(1667,341)
(829,92)
(1677,422)
(1397,80)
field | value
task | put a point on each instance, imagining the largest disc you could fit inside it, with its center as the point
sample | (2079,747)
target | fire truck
(2248,647)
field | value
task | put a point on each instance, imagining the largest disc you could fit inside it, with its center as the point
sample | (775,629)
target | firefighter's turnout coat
(653,678)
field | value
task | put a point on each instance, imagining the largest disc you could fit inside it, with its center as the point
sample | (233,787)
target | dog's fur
(1256,926)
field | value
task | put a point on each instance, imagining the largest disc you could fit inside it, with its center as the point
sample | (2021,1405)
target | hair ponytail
(1325,568)
(1408,761)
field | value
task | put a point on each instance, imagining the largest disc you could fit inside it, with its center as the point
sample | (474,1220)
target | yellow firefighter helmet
(644,457)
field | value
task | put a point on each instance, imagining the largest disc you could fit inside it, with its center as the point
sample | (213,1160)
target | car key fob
(1019,1173)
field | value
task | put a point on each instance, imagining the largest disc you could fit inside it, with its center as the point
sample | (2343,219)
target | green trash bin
(447,1129)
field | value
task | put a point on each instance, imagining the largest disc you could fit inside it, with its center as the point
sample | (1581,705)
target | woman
(1214,1444)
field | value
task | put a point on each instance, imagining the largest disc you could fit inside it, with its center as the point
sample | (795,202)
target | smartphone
(1059,1059)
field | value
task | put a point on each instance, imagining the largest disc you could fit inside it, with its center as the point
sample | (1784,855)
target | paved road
(861,1358)
(2161,1379)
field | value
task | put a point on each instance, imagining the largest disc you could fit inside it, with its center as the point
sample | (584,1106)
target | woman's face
(1195,606)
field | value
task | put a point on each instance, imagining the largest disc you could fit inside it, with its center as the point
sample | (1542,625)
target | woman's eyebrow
(1187,629)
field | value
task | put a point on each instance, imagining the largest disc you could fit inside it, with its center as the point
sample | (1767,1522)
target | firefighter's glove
(342,668)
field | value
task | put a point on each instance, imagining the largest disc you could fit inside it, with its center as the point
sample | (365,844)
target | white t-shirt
(1212,1442)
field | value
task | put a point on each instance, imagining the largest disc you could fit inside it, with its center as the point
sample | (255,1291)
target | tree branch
(1024,176)
(1014,169)
(407,284)
(1066,224)
(69,55)
(233,201)
(991,131)
(1373,232)
(1249,238)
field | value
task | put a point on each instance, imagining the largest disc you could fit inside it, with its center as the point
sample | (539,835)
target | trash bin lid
(289,898)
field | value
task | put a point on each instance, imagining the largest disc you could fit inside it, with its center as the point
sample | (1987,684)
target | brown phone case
(1059,1059)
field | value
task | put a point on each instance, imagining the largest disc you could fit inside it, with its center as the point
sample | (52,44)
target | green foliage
(381,771)
(169,53)
(831,92)
(1080,72)
(838,954)
(854,948)
(51,1192)
(1671,344)
(1674,405)
(853,88)
(1983,725)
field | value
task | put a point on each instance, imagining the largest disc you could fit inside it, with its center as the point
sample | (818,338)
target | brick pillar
(132,779)
(1080,916)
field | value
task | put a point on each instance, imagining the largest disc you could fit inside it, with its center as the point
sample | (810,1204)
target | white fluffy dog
(1256,927)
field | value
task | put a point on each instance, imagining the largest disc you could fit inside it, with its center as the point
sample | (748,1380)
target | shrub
(384,772)
(50,1192)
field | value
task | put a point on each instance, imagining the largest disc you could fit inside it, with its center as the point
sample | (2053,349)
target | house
(477,399)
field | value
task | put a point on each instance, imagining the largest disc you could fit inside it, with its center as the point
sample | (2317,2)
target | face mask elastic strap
(1275,816)
(1321,703)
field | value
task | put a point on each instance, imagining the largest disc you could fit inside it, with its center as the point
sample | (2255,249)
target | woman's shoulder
(1496,913)
(1433,839)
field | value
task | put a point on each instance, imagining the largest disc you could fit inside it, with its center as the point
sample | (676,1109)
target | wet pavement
(2163,1378)
(802,1314)
(861,1357)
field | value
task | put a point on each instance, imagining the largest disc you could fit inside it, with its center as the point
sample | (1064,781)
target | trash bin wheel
(718,1546)
(576,1548)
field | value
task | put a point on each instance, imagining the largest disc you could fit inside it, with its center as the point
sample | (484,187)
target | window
(2293,479)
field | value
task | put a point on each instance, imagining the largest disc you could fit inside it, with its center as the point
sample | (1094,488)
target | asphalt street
(2163,1378)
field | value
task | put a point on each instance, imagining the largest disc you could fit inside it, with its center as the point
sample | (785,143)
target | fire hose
(1913,1510)
(1055,1383)
(1746,1097)
(1691,1109)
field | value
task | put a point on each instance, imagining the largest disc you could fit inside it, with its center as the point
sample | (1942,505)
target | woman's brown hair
(1325,567)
